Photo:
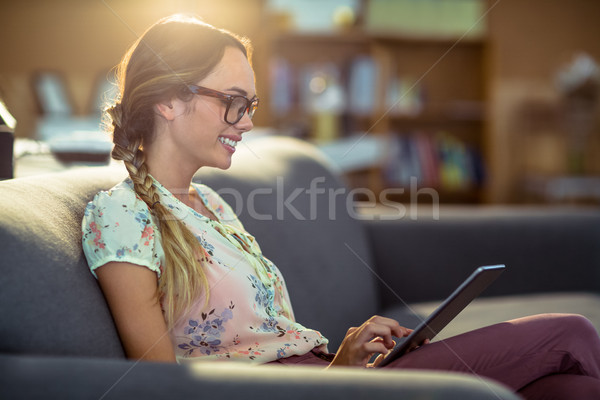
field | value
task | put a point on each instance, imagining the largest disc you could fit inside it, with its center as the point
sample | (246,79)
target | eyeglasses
(237,105)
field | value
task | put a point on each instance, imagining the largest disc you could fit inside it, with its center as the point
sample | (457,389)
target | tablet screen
(472,287)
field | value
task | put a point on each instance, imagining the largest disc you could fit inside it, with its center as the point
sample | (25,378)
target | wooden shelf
(444,76)
(356,35)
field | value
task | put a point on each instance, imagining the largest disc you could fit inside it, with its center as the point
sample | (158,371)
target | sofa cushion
(50,303)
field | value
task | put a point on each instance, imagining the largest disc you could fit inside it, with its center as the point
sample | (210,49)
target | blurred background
(487,102)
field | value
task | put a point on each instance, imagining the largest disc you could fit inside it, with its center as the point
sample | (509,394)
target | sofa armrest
(85,378)
(544,249)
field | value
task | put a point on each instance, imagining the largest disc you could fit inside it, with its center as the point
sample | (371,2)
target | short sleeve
(117,226)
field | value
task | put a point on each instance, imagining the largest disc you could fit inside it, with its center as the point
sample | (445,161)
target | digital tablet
(476,283)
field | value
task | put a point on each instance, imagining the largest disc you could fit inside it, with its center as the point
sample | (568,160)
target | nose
(245,124)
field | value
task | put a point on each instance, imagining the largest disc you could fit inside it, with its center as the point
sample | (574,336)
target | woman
(182,277)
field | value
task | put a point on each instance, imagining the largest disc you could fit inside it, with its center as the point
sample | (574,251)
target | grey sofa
(58,340)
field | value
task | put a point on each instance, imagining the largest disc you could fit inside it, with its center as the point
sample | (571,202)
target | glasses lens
(236,110)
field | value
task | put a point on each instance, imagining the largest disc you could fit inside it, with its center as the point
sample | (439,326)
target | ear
(166,110)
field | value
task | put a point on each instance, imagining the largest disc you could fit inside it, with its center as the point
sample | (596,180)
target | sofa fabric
(340,269)
(68,378)
(545,249)
(51,304)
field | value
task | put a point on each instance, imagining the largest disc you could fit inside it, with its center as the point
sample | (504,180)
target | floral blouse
(248,317)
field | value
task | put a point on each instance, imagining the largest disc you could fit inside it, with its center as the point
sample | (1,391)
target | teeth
(228,142)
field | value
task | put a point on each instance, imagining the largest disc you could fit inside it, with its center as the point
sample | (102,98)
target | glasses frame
(251,104)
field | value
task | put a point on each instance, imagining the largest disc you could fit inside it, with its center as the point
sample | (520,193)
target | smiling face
(194,134)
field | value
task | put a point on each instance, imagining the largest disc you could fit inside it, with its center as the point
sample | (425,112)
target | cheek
(209,112)
(206,125)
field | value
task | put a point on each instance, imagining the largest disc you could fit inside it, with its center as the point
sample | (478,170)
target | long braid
(180,246)
(170,55)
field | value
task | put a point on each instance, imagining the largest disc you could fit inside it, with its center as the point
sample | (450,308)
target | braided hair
(171,54)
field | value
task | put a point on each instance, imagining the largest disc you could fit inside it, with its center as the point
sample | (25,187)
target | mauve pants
(548,356)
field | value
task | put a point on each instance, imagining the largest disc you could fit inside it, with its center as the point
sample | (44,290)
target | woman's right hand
(374,336)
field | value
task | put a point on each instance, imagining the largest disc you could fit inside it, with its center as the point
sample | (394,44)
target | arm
(130,291)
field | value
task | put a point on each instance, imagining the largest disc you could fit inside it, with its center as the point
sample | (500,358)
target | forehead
(232,71)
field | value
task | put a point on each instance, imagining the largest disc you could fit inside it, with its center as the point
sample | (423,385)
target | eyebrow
(239,90)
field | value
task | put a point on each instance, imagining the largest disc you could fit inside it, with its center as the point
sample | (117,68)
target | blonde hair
(171,54)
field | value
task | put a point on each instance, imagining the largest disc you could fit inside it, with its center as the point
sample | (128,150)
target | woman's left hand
(374,336)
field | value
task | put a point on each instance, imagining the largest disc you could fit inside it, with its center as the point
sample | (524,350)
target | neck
(179,186)
(173,177)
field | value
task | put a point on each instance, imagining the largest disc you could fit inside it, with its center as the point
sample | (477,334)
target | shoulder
(119,194)
(119,210)
(117,226)
(119,200)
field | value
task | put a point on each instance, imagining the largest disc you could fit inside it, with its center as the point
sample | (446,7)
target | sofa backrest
(50,303)
(285,194)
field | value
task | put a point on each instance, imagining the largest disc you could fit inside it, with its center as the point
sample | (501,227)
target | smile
(228,142)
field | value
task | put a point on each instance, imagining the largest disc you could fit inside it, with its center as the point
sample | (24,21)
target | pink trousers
(549,356)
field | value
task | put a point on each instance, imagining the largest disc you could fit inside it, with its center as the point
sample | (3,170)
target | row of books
(437,160)
(332,88)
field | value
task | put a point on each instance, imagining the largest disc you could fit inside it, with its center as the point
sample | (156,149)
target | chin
(224,164)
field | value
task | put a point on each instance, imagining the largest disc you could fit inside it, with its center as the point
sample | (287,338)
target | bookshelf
(422,97)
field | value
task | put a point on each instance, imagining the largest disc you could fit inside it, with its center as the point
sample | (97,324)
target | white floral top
(248,316)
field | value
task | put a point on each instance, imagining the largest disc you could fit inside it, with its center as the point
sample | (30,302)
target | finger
(406,331)
(396,329)
(376,361)
(378,339)
(426,341)
(374,348)
(352,330)
(380,357)
(370,331)
(391,323)
(387,345)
